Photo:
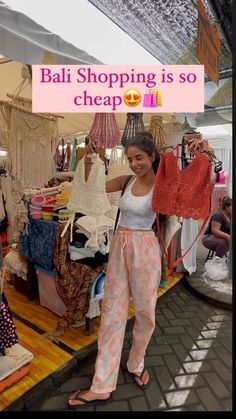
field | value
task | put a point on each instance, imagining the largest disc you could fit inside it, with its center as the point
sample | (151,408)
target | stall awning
(23,40)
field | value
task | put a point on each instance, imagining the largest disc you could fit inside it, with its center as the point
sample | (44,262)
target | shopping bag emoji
(157,93)
(149,100)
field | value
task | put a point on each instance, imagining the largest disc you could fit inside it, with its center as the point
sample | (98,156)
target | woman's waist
(122,228)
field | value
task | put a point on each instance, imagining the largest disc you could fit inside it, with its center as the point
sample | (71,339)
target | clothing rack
(211,155)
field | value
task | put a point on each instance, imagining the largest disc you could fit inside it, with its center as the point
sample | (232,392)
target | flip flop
(134,375)
(85,402)
(75,394)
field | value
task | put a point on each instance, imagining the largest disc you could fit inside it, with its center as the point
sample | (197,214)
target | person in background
(134,269)
(217,234)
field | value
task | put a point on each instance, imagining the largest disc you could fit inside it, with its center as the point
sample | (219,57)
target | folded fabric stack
(35,208)
(78,253)
(41,205)
(98,230)
(47,209)
(62,199)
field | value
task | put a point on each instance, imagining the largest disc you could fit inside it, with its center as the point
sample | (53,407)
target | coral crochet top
(185,193)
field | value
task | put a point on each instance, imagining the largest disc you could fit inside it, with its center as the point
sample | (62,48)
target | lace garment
(89,197)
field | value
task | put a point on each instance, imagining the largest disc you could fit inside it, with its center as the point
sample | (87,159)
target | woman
(134,269)
(217,234)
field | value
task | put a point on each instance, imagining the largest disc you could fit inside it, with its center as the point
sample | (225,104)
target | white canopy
(22,39)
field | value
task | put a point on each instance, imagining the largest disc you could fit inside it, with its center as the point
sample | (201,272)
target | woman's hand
(196,145)
(91,147)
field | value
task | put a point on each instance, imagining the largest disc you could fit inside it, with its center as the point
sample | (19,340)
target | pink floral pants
(134,270)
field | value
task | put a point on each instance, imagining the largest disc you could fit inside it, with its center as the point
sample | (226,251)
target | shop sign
(208,44)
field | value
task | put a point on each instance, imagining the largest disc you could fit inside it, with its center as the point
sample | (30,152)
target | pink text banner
(118,88)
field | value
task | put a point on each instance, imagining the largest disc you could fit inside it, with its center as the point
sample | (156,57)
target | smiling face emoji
(132,97)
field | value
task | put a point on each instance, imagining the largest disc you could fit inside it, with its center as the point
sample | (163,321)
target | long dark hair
(226,202)
(144,141)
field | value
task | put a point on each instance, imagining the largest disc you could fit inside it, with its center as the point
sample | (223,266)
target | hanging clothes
(67,157)
(73,281)
(73,160)
(185,193)
(188,233)
(58,158)
(8,336)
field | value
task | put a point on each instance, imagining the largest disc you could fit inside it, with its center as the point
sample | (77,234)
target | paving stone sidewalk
(189,360)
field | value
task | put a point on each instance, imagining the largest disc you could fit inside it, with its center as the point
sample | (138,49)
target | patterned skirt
(8,336)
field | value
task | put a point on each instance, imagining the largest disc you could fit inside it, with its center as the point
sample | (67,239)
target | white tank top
(136,211)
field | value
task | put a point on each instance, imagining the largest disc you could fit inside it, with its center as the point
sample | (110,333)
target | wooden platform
(33,323)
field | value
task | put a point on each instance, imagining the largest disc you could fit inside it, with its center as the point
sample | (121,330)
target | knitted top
(89,197)
(185,193)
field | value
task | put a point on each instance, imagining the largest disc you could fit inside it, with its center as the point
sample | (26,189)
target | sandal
(134,375)
(95,402)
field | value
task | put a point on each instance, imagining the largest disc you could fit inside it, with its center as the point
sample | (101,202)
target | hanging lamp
(157,131)
(104,130)
(134,124)
(186,127)
(173,126)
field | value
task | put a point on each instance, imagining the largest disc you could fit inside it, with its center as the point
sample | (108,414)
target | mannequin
(220,190)
(221,179)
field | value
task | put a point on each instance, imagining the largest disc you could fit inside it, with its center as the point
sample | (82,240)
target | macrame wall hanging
(134,124)
(105,130)
(30,148)
(157,131)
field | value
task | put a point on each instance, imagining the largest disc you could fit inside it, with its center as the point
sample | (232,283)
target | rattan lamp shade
(157,131)
(134,124)
(105,130)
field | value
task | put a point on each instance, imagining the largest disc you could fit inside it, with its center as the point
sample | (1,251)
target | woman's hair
(144,141)
(226,202)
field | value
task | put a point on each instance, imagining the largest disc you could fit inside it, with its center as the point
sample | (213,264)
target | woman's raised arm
(115,184)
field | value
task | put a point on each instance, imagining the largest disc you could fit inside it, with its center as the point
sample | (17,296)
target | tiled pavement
(189,360)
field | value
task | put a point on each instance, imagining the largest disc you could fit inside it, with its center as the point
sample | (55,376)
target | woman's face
(139,161)
(228,209)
